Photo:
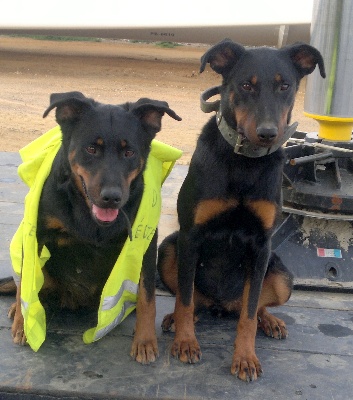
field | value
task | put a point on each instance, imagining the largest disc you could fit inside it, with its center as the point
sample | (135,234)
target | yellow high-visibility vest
(119,295)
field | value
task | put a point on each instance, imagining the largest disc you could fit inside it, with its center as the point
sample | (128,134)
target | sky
(148,13)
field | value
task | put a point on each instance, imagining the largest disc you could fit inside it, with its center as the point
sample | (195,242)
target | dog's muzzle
(128,223)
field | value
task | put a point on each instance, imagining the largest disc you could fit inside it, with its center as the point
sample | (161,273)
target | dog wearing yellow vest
(88,238)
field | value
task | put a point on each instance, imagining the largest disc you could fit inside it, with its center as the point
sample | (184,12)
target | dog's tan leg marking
(185,345)
(17,329)
(275,292)
(245,365)
(168,269)
(144,347)
(169,275)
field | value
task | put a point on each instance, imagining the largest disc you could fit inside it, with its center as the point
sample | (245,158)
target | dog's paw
(272,326)
(17,330)
(168,324)
(144,351)
(187,351)
(246,367)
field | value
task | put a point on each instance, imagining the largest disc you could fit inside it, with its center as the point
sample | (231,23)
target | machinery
(315,237)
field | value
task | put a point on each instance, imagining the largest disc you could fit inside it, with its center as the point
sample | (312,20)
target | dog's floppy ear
(222,56)
(150,112)
(68,105)
(305,58)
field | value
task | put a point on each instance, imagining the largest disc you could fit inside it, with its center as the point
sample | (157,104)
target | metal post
(330,101)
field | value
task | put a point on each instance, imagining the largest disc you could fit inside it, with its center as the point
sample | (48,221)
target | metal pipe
(330,100)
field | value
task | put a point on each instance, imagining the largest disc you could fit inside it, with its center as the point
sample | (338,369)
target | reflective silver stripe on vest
(102,332)
(111,301)
(24,304)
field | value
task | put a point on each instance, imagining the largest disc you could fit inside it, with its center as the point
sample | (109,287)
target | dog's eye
(284,86)
(91,149)
(247,87)
(129,153)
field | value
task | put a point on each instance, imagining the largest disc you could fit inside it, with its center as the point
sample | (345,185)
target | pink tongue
(105,214)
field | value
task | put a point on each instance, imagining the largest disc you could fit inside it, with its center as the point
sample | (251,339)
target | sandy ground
(111,72)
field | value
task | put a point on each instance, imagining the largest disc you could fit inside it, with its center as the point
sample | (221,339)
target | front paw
(17,329)
(144,350)
(186,350)
(246,367)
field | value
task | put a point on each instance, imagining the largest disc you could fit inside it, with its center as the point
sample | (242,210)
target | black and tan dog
(88,202)
(227,206)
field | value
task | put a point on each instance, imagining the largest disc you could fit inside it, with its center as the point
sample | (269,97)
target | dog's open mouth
(102,215)
(105,215)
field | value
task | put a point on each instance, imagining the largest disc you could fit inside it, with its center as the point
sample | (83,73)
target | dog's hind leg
(167,264)
(168,271)
(144,347)
(276,290)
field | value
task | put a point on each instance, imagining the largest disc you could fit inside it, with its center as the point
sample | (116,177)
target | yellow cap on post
(333,128)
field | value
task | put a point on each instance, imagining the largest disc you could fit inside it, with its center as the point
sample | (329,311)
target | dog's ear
(68,105)
(305,58)
(222,56)
(150,112)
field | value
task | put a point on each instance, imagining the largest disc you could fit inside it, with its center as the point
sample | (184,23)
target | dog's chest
(242,190)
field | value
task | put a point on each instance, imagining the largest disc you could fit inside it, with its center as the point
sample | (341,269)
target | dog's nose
(111,196)
(267,133)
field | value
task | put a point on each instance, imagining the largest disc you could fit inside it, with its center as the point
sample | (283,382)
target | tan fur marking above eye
(100,142)
(278,78)
(208,209)
(123,144)
(253,80)
(265,210)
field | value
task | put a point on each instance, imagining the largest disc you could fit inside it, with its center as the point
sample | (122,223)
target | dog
(89,202)
(230,199)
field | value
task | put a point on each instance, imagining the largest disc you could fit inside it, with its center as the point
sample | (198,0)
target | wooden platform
(314,362)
